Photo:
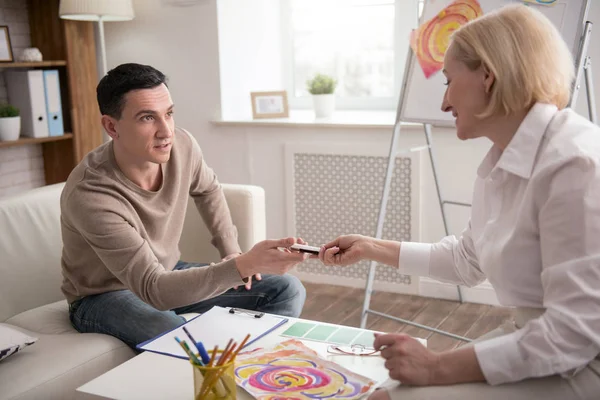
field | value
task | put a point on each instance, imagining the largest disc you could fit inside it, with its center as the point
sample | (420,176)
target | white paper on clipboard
(214,328)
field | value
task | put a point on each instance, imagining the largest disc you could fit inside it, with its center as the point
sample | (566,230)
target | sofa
(31,302)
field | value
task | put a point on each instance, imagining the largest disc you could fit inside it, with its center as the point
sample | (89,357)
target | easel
(583,64)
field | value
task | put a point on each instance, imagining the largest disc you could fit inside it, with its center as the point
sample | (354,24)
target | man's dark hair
(112,88)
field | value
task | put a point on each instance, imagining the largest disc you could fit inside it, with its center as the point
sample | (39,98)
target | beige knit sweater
(117,235)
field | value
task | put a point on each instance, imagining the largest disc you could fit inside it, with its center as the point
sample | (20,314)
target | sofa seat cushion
(57,365)
(51,319)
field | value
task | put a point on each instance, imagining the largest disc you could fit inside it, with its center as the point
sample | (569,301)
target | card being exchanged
(305,249)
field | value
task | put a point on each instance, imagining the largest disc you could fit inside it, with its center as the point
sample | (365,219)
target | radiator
(333,194)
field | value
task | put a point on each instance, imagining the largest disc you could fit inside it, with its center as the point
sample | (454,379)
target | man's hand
(248,285)
(270,257)
(345,250)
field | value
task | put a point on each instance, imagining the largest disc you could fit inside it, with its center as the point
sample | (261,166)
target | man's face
(145,131)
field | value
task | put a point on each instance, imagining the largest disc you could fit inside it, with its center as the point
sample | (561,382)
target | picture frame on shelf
(6,53)
(272,104)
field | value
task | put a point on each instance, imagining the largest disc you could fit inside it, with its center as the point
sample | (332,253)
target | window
(361,43)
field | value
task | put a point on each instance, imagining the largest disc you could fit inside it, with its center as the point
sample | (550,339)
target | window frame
(357,103)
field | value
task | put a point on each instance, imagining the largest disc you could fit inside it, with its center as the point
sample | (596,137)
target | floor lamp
(97,10)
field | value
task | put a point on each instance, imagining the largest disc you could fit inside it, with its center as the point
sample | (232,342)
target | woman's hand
(412,364)
(407,360)
(345,250)
(270,257)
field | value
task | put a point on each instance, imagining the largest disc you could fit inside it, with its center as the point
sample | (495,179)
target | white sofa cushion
(51,319)
(57,365)
(31,247)
(247,206)
(12,341)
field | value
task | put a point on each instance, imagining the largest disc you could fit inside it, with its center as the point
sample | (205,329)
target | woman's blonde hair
(526,53)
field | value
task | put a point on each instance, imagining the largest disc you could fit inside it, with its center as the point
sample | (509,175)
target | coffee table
(151,376)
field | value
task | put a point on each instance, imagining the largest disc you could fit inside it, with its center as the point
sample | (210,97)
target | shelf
(58,63)
(27,140)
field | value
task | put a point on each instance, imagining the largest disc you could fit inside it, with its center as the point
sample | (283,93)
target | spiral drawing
(430,41)
(301,380)
(296,373)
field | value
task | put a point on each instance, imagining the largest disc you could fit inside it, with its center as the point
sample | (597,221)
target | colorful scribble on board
(430,41)
(542,2)
(291,370)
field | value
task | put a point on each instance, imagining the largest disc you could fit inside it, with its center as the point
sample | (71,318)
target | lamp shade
(94,10)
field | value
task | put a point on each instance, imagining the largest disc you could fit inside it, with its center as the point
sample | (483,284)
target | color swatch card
(334,334)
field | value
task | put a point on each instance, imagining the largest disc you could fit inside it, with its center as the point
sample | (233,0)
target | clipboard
(214,328)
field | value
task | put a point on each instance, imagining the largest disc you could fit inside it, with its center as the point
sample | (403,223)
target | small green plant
(321,84)
(7,111)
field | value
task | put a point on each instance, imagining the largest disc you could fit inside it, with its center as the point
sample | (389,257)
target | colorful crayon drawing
(542,2)
(293,371)
(430,41)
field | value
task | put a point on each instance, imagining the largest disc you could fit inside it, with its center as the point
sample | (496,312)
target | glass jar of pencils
(215,382)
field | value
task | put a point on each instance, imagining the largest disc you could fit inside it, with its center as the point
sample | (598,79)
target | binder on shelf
(53,102)
(26,92)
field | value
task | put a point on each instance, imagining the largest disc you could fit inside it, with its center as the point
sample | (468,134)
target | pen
(203,353)
(201,350)
(191,338)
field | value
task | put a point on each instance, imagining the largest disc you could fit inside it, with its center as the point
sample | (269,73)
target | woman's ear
(488,78)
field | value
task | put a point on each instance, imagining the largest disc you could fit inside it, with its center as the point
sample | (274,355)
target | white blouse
(535,235)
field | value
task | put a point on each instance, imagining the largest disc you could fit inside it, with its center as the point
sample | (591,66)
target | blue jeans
(123,315)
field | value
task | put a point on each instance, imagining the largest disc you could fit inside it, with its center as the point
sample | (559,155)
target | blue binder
(53,102)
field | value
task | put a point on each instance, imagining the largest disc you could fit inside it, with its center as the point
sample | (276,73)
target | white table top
(150,376)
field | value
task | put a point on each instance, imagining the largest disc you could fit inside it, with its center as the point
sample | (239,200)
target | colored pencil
(240,348)
(213,357)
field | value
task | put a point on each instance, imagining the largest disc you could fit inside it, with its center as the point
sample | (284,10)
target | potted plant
(322,87)
(10,122)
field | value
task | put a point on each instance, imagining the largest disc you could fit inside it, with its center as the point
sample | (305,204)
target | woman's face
(466,95)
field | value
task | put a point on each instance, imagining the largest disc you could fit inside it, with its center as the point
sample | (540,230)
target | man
(123,209)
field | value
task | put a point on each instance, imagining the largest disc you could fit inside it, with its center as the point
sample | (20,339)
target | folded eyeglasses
(354,350)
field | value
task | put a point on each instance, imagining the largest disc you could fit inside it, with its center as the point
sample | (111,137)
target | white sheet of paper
(214,328)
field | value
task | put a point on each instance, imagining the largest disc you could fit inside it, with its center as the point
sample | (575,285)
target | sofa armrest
(247,206)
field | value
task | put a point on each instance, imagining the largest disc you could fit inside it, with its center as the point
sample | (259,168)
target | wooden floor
(343,305)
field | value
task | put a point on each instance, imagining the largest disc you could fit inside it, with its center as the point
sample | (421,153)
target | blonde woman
(534,231)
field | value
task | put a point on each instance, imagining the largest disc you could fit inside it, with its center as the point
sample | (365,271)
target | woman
(534,230)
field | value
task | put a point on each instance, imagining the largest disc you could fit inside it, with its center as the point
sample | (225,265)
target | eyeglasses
(354,350)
